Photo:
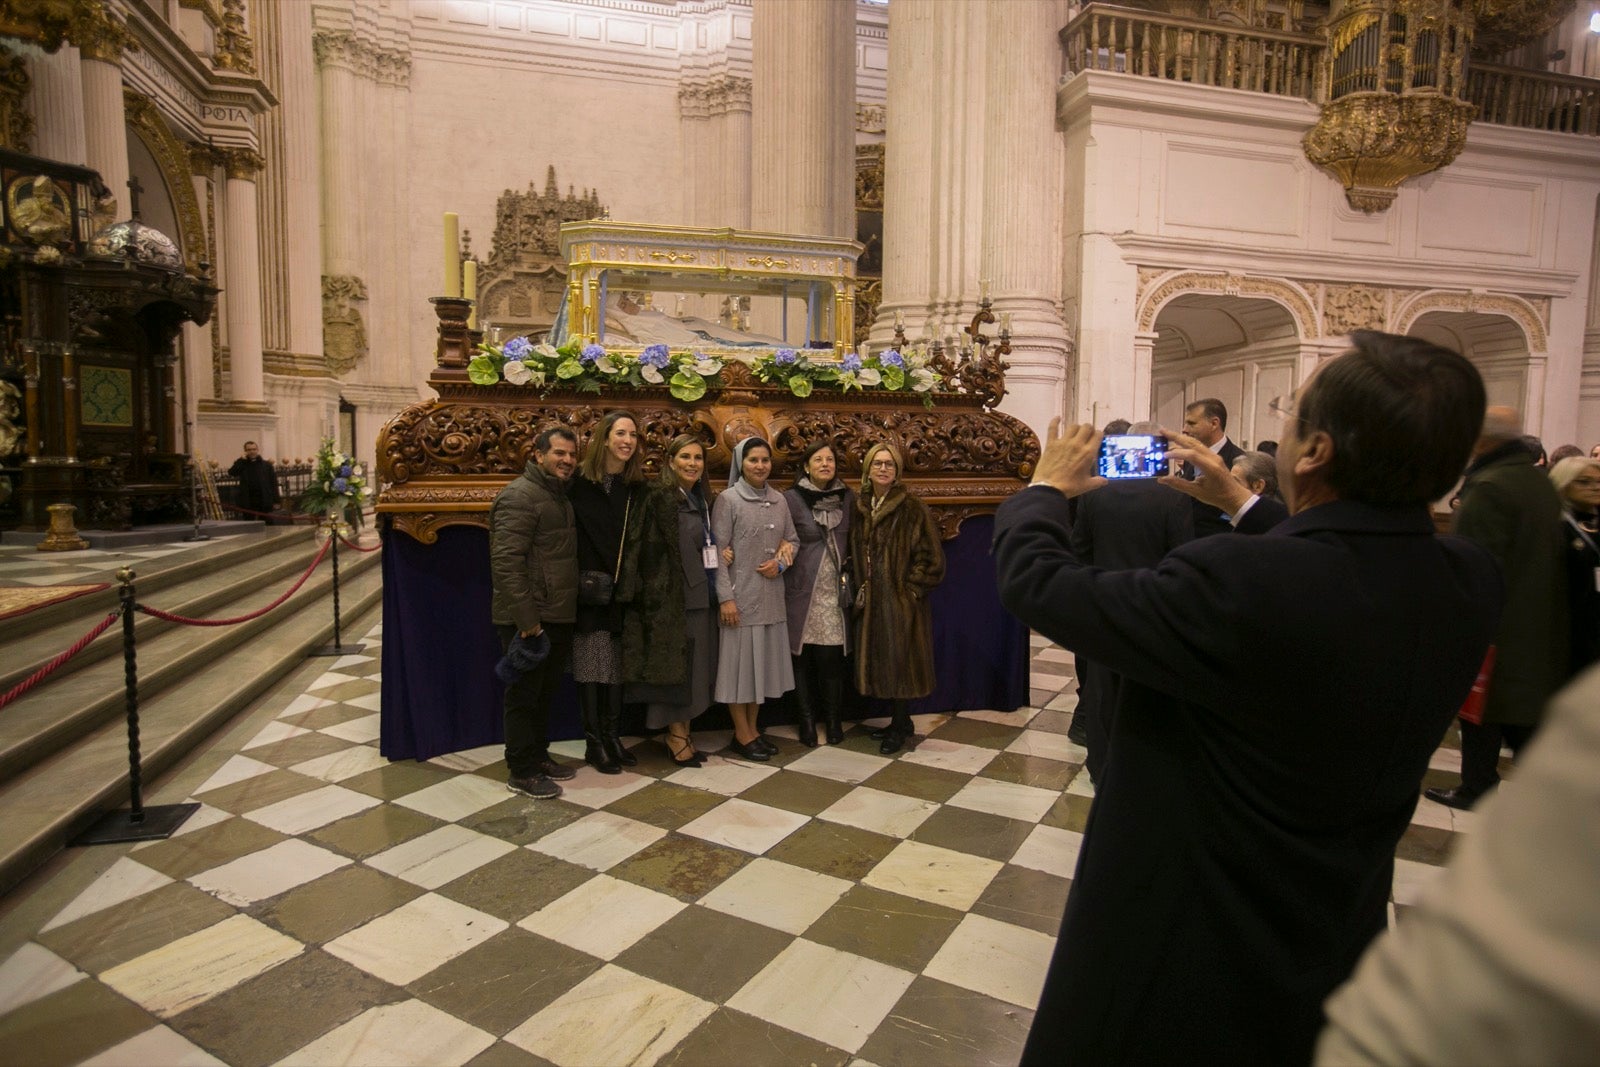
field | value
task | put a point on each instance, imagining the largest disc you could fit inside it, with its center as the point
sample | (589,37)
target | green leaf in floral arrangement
(482,370)
(569,368)
(687,386)
(588,385)
(800,386)
(893,378)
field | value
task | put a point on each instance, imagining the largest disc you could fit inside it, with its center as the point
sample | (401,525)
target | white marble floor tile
(833,996)
(1038,679)
(880,812)
(412,940)
(304,702)
(840,764)
(937,875)
(124,880)
(269,872)
(31,972)
(591,789)
(1446,759)
(994,958)
(776,894)
(601,840)
(274,731)
(1064,701)
(603,916)
(456,798)
(440,856)
(237,769)
(331,678)
(351,661)
(1054,655)
(374,702)
(1049,745)
(1462,821)
(1081,785)
(468,759)
(362,731)
(745,826)
(1021,717)
(644,1020)
(158,1045)
(337,766)
(408,1034)
(1010,799)
(951,755)
(304,813)
(1036,641)
(1412,879)
(569,749)
(1430,813)
(206,816)
(1051,850)
(193,969)
(729,777)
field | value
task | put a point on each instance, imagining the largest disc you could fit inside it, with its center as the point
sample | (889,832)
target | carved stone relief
(871,118)
(1353,307)
(368,59)
(1280,290)
(344,330)
(1519,310)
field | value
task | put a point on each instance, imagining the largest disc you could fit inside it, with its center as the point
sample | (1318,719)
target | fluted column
(909,224)
(241,251)
(57,105)
(803,117)
(337,55)
(202,378)
(1021,248)
(104,124)
(302,179)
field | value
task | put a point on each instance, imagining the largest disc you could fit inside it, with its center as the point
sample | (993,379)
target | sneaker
(556,772)
(539,787)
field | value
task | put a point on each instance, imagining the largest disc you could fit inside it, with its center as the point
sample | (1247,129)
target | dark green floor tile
(264,789)
(522,822)
(115,935)
(830,848)
(499,984)
(915,780)
(298,749)
(1031,770)
(336,903)
(683,867)
(210,846)
(516,885)
(375,830)
(666,804)
(397,779)
(505,1054)
(705,952)
(898,930)
(977,732)
(331,715)
(936,1024)
(796,791)
(1426,844)
(1022,896)
(977,833)
(1069,812)
(70,1025)
(731,1038)
(1051,722)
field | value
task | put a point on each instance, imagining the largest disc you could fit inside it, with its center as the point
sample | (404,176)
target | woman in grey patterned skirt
(820,504)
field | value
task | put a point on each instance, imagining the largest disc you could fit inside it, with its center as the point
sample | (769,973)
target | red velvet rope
(351,544)
(169,617)
(50,668)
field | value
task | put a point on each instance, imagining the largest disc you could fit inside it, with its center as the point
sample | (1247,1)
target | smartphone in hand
(1132,455)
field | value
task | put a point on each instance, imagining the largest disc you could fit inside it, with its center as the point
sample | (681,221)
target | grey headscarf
(736,472)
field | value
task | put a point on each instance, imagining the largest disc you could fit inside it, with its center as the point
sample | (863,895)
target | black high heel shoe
(693,759)
(752,751)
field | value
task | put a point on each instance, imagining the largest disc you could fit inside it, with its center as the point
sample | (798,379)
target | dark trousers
(819,673)
(527,702)
(1480,751)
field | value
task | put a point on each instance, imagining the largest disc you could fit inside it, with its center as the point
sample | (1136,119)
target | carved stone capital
(234,49)
(203,159)
(243,164)
(872,118)
(98,33)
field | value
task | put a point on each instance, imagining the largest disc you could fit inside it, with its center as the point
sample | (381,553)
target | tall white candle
(469,289)
(452,254)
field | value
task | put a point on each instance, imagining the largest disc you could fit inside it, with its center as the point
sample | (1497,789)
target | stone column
(57,105)
(803,117)
(338,54)
(104,123)
(242,255)
(203,380)
(302,179)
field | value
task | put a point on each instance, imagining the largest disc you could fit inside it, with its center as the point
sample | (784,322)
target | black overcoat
(1283,696)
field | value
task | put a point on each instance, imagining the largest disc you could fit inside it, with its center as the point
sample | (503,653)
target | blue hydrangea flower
(892,358)
(345,470)
(340,485)
(784,356)
(852,362)
(592,353)
(517,348)
(655,356)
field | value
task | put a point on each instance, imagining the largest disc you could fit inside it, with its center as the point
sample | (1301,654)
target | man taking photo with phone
(1281,697)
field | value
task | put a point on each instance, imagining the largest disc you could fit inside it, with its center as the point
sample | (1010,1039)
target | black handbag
(596,588)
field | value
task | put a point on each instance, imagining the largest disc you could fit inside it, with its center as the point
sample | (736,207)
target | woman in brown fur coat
(897,556)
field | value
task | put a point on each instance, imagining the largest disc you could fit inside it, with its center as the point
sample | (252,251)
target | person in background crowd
(898,558)
(1207,422)
(1116,426)
(1282,696)
(1563,452)
(1499,962)
(258,481)
(1509,508)
(1535,448)
(1577,480)
(605,498)
(1269,447)
(820,505)
(751,521)
(669,632)
(1594,453)
(533,565)
(1258,472)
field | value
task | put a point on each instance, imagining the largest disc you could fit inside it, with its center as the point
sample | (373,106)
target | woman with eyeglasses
(898,559)
(1577,481)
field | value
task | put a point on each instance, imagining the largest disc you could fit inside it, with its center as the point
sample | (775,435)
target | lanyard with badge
(708,551)
(1578,529)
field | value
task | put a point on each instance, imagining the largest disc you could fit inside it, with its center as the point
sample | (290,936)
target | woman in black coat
(1577,481)
(818,610)
(606,498)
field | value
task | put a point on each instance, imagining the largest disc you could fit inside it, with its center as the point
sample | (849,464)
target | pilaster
(56,102)
(242,254)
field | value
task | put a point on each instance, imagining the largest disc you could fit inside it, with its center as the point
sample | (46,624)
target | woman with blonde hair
(1577,482)
(898,557)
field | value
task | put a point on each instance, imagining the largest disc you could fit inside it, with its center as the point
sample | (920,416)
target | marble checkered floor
(26,565)
(326,906)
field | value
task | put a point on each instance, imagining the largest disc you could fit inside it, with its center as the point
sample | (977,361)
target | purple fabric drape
(439,649)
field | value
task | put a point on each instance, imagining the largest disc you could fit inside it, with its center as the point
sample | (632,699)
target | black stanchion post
(336,649)
(138,823)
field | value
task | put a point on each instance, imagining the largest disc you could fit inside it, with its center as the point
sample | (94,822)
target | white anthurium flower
(651,374)
(707,367)
(547,350)
(868,376)
(356,472)
(605,366)
(517,372)
(537,377)
(921,380)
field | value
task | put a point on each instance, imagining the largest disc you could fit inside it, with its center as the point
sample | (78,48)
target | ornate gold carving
(43,22)
(1374,141)
(869,177)
(1352,307)
(16,124)
(98,33)
(12,428)
(1519,310)
(1287,293)
(176,160)
(673,257)
(869,294)
(872,118)
(768,262)
(39,210)
(344,331)
(242,164)
(1502,25)
(234,49)
(203,159)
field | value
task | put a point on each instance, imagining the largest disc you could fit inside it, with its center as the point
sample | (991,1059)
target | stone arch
(1528,317)
(1162,290)
(144,118)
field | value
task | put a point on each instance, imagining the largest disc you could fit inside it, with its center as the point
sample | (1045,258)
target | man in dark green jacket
(533,563)
(1509,507)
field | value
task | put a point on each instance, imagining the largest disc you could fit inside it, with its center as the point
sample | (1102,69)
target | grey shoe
(556,772)
(539,787)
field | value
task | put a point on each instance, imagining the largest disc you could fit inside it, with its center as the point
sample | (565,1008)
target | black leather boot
(899,730)
(594,747)
(805,704)
(610,726)
(833,700)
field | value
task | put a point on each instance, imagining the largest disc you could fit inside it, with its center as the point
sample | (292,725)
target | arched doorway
(1495,344)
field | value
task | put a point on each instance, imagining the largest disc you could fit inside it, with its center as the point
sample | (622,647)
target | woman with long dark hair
(606,495)
(669,635)
(898,558)
(820,505)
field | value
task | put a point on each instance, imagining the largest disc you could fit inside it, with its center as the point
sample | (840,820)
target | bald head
(1501,423)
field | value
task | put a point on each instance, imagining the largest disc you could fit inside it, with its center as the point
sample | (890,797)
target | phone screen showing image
(1132,455)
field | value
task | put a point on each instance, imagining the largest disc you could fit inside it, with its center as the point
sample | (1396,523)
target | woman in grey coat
(751,520)
(820,504)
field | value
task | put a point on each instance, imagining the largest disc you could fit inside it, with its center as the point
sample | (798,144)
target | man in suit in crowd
(1124,526)
(1510,508)
(1281,697)
(258,482)
(1206,421)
